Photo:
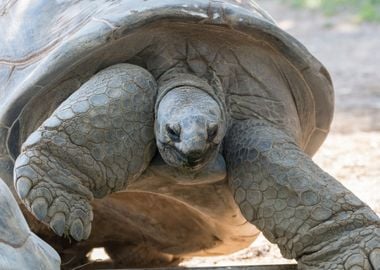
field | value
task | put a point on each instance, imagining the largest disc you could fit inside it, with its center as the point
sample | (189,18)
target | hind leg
(95,143)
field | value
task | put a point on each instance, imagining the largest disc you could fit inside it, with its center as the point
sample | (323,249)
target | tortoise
(19,247)
(166,129)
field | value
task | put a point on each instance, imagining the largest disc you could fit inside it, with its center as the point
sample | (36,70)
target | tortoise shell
(52,47)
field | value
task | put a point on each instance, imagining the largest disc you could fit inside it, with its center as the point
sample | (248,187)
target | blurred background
(345,36)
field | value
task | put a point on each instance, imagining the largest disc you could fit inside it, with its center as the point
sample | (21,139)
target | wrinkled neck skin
(189,128)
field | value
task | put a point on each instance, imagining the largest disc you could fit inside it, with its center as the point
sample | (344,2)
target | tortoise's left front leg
(96,142)
(305,211)
(19,247)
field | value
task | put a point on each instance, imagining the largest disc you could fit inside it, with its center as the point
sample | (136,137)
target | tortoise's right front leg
(97,141)
(305,211)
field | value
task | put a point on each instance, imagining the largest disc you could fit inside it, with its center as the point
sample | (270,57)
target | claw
(374,258)
(23,186)
(76,230)
(87,232)
(39,208)
(57,223)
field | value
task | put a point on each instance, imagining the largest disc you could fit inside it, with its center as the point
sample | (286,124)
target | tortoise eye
(212,131)
(173,133)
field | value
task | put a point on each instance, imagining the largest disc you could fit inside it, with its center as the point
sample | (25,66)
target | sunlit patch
(286,24)
(98,255)
(260,252)
(347,28)
(313,3)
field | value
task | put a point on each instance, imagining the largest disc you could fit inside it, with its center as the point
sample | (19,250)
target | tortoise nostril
(174,132)
(212,131)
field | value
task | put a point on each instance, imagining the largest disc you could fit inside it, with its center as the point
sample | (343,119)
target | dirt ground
(351,153)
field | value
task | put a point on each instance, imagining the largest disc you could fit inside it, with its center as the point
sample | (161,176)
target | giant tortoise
(235,106)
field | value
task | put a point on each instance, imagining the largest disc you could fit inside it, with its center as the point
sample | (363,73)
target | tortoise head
(190,125)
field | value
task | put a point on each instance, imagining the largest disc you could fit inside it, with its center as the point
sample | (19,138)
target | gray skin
(278,188)
(86,90)
(309,214)
(187,128)
(20,248)
(89,138)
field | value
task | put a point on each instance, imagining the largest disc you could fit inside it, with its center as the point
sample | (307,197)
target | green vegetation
(364,10)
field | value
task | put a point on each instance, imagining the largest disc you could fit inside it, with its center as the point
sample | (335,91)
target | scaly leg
(305,211)
(19,247)
(97,141)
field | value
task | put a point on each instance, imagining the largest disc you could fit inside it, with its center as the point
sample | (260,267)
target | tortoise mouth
(192,162)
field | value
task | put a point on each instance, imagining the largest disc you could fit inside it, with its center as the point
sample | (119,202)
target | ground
(351,152)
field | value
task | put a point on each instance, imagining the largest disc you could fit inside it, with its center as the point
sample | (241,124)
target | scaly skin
(19,247)
(305,211)
(97,141)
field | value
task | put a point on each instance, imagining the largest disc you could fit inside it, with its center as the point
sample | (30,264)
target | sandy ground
(351,153)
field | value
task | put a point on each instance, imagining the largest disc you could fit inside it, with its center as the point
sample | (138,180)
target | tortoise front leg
(95,143)
(305,211)
(19,247)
